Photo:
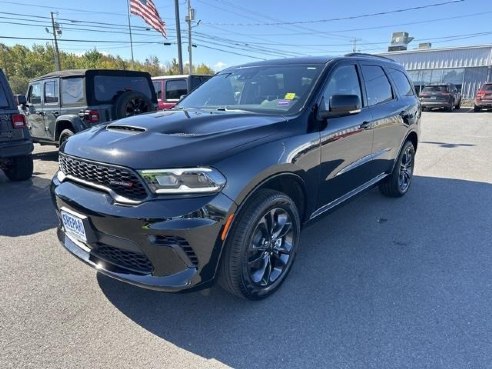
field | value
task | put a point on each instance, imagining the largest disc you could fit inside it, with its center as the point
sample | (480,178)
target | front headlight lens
(183,180)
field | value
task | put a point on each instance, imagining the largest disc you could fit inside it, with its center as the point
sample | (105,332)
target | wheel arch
(74,123)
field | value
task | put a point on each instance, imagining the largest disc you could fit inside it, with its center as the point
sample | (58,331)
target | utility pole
(178,35)
(354,49)
(56,29)
(189,18)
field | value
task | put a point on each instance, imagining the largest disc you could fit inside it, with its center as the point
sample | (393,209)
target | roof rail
(369,55)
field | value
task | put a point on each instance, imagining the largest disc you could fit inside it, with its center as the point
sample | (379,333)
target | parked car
(444,95)
(483,98)
(61,104)
(170,89)
(220,187)
(15,142)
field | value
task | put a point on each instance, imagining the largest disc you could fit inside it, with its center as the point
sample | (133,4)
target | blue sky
(232,32)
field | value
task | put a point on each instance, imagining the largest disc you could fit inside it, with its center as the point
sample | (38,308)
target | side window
(175,89)
(34,96)
(344,81)
(51,92)
(402,83)
(158,88)
(377,85)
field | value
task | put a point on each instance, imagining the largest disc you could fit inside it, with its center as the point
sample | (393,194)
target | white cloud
(219,66)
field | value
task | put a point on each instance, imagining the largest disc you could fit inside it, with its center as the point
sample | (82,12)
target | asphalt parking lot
(380,283)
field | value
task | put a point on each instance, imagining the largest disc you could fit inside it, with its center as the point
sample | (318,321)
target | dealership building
(467,67)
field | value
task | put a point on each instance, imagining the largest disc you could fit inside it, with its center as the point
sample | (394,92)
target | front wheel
(261,247)
(398,182)
(65,135)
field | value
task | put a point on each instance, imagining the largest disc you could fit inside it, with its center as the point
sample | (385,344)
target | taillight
(91,116)
(18,121)
(480,94)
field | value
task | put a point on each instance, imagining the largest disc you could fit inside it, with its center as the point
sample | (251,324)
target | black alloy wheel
(136,105)
(261,247)
(400,179)
(131,103)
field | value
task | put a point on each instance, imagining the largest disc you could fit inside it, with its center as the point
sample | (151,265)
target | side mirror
(21,100)
(340,105)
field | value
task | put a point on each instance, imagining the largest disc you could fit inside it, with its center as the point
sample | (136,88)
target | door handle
(55,113)
(365,125)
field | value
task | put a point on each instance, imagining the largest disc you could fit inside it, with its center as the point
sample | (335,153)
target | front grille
(126,259)
(122,181)
(173,241)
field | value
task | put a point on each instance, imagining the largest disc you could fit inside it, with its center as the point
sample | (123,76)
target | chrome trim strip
(363,160)
(347,196)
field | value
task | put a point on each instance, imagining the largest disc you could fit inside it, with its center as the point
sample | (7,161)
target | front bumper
(163,244)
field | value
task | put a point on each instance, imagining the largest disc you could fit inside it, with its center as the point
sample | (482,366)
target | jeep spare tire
(131,103)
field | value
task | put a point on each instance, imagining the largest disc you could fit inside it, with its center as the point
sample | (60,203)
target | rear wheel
(398,182)
(476,108)
(458,105)
(19,168)
(261,247)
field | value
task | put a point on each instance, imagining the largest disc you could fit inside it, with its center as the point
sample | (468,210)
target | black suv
(15,143)
(62,103)
(221,186)
(444,95)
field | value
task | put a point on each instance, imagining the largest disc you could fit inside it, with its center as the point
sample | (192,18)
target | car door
(346,142)
(34,111)
(51,106)
(388,114)
(174,89)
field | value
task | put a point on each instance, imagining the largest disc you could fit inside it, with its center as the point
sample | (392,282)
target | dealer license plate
(73,225)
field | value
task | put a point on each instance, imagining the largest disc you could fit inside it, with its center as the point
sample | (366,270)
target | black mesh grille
(181,242)
(122,181)
(123,258)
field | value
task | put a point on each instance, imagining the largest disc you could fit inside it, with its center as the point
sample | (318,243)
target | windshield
(263,89)
(435,89)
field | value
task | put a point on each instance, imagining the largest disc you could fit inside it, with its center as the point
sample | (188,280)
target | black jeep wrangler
(62,103)
(15,141)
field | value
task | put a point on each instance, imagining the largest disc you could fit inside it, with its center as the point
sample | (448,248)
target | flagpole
(130,29)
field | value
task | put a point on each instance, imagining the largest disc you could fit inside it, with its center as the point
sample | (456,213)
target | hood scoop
(125,128)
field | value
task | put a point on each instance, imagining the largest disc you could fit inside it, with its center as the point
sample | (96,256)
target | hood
(173,138)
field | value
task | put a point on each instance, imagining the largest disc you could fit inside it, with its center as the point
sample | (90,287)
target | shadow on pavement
(28,205)
(446,144)
(412,290)
(46,155)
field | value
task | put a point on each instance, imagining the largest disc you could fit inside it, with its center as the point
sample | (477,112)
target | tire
(20,168)
(131,103)
(476,108)
(400,179)
(458,106)
(424,108)
(65,135)
(265,234)
(450,108)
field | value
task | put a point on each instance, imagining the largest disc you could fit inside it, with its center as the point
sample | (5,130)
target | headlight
(183,180)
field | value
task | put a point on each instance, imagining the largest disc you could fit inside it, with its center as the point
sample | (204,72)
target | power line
(339,18)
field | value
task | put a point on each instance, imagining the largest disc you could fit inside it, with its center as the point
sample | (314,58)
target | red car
(483,98)
(170,89)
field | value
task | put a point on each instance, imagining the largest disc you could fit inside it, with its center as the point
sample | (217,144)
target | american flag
(147,10)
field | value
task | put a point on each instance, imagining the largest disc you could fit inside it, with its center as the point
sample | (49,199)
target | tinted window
(435,89)
(377,85)
(72,91)
(175,89)
(487,87)
(3,98)
(197,81)
(51,92)
(158,88)
(263,88)
(401,82)
(344,81)
(107,87)
(35,93)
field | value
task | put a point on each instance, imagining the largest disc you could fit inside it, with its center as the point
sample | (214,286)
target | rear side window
(34,96)
(158,88)
(343,81)
(175,89)
(51,92)
(107,87)
(401,81)
(72,91)
(3,98)
(377,85)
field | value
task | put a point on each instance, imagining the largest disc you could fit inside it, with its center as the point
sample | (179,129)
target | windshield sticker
(284,102)
(290,96)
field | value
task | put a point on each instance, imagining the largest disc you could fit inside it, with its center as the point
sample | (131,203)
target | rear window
(435,89)
(107,87)
(487,87)
(3,98)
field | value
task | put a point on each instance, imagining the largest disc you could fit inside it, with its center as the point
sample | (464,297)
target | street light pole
(57,52)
